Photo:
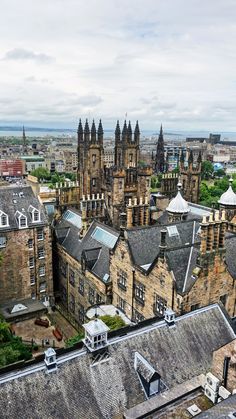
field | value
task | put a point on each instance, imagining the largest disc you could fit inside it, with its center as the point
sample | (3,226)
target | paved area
(27,330)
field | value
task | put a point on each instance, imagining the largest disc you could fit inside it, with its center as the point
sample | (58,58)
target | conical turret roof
(228,197)
(178,204)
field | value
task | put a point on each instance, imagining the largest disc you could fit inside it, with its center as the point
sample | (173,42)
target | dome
(178,204)
(228,197)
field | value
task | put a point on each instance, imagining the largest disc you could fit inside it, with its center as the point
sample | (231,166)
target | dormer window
(34,213)
(4,222)
(21,219)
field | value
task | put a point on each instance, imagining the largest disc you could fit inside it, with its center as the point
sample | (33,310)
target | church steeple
(160,155)
(24,137)
(100,132)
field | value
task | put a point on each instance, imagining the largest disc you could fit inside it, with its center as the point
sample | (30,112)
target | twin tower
(125,185)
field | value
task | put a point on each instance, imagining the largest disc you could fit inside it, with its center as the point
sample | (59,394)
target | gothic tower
(24,140)
(90,158)
(191,177)
(160,154)
(127,146)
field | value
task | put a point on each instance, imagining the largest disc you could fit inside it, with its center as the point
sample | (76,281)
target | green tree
(207,170)
(41,173)
(219,173)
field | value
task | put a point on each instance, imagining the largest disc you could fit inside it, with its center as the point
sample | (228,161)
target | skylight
(102,236)
(73,218)
(172,231)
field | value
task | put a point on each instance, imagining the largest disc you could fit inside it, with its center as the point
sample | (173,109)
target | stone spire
(80,132)
(199,159)
(136,133)
(93,133)
(129,132)
(86,131)
(117,132)
(124,132)
(100,132)
(24,137)
(190,157)
(182,157)
(160,155)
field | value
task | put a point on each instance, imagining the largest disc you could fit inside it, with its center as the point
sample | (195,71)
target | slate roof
(95,253)
(223,410)
(81,389)
(19,198)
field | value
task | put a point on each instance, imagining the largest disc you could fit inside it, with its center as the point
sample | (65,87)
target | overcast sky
(159,61)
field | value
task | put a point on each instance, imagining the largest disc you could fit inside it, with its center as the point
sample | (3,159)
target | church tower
(191,177)
(160,154)
(90,158)
(24,142)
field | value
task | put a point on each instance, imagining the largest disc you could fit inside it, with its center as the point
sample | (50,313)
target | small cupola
(228,198)
(178,208)
(95,335)
(50,360)
(169,317)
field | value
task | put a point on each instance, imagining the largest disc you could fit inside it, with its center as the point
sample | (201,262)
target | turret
(100,132)
(190,157)
(86,132)
(124,132)
(117,132)
(93,133)
(136,133)
(129,133)
(80,132)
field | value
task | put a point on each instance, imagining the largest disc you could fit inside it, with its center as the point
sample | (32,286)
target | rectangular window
(94,159)
(93,181)
(139,292)
(42,287)
(33,295)
(30,243)
(195,307)
(81,286)
(71,277)
(32,278)
(4,220)
(121,303)
(3,242)
(137,317)
(23,222)
(63,294)
(131,158)
(63,268)
(42,270)
(91,295)
(36,216)
(40,235)
(122,279)
(80,313)
(72,303)
(98,299)
(160,305)
(31,262)
(41,254)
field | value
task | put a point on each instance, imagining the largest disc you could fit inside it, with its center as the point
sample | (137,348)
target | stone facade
(23,272)
(143,293)
(78,288)
(190,176)
(219,356)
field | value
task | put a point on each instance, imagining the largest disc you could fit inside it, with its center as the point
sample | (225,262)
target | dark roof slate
(19,198)
(80,389)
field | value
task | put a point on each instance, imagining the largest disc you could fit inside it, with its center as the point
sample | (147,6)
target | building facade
(25,247)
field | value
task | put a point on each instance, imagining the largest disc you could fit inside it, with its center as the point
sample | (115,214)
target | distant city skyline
(169,62)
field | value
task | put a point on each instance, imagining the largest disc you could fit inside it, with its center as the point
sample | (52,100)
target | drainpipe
(226,369)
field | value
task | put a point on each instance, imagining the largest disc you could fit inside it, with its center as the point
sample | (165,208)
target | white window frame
(31,258)
(19,216)
(44,270)
(43,255)
(3,242)
(5,216)
(41,232)
(33,211)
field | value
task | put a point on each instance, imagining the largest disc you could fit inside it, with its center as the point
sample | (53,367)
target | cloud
(159,61)
(24,54)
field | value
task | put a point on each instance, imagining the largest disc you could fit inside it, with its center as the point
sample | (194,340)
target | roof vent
(169,317)
(193,410)
(95,335)
(50,360)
